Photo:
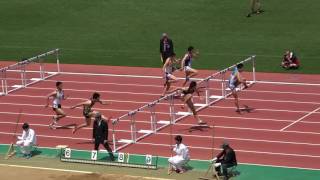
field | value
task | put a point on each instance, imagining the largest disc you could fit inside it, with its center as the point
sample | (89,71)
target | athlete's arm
(81,104)
(165,65)
(196,53)
(48,97)
(182,61)
(239,79)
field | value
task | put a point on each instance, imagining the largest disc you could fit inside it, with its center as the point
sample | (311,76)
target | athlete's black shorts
(86,114)
(58,107)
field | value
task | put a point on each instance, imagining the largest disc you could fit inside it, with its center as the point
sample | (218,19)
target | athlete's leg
(59,114)
(193,109)
(169,79)
(166,88)
(236,100)
(192,72)
(187,73)
(86,124)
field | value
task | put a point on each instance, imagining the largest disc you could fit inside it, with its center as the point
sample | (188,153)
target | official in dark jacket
(225,159)
(100,134)
(166,47)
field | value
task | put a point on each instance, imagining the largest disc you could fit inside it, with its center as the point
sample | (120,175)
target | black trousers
(106,145)
(165,57)
(224,167)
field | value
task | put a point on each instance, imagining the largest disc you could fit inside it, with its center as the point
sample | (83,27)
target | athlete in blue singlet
(234,81)
(186,64)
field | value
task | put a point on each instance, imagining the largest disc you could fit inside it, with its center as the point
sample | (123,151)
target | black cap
(25,126)
(224,145)
(178,138)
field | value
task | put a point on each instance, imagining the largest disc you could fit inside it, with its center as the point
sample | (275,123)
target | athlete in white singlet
(58,96)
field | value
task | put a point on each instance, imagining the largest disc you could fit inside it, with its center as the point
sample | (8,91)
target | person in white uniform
(26,140)
(182,156)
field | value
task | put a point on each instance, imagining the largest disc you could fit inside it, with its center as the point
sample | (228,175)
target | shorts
(168,76)
(187,68)
(86,114)
(233,85)
(56,106)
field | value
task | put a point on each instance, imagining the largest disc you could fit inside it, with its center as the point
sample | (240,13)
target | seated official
(290,61)
(224,160)
(182,156)
(27,140)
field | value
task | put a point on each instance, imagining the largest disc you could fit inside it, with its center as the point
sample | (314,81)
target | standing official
(100,134)
(166,48)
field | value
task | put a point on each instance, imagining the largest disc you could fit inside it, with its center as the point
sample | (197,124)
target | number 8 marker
(120,157)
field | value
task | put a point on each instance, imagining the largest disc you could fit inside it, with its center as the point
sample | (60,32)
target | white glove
(214,159)
(114,121)
(217,164)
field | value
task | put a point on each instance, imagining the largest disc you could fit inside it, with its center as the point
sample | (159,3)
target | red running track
(256,136)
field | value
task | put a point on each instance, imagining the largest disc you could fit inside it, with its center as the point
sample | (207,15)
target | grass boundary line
(206,161)
(74,171)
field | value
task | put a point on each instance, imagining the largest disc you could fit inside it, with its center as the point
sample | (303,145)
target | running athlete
(58,96)
(234,81)
(88,113)
(168,69)
(186,64)
(186,97)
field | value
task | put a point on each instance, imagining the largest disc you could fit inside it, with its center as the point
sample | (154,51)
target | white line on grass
(75,171)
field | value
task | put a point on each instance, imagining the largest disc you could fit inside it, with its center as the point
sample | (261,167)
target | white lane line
(160,77)
(288,83)
(155,94)
(279,101)
(122,75)
(137,102)
(162,113)
(43,168)
(163,103)
(277,166)
(101,91)
(238,150)
(161,86)
(300,119)
(168,134)
(222,127)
